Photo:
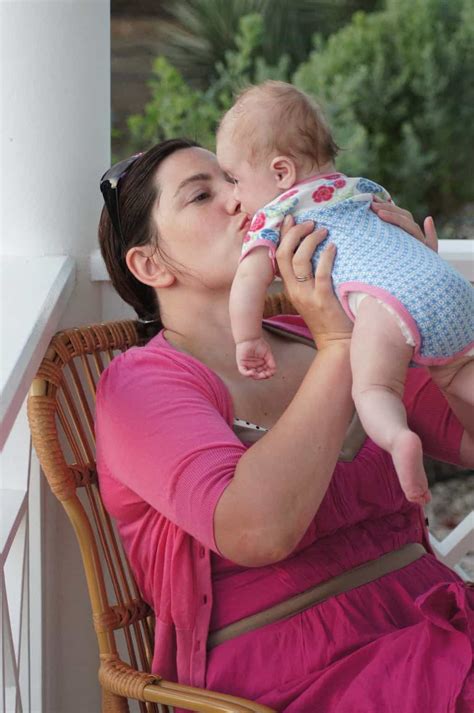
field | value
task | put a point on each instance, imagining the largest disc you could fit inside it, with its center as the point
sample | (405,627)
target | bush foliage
(397,86)
(201,31)
(176,109)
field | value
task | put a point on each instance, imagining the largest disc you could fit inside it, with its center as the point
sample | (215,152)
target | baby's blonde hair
(277,118)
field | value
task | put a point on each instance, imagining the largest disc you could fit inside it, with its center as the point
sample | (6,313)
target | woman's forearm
(280,482)
(464,413)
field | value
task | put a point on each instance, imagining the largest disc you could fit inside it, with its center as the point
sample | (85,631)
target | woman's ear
(284,171)
(145,264)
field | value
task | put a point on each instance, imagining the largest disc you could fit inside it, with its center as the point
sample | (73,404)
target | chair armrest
(120,678)
(199,699)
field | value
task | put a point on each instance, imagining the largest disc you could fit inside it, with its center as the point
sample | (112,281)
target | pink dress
(398,645)
(402,644)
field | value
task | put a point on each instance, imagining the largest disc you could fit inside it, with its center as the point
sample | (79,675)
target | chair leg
(111,703)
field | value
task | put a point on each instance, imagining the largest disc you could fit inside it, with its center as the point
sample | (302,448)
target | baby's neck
(314,170)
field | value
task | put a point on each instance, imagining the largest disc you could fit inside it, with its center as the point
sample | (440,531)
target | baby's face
(254,184)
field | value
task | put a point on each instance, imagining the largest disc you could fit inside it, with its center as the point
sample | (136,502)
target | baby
(407,304)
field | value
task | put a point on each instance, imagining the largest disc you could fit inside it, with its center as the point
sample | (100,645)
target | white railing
(35,292)
(459,254)
(20,557)
(455,546)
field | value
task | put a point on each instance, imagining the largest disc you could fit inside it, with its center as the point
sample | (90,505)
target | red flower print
(258,221)
(332,176)
(286,195)
(323,193)
(340,183)
(247,238)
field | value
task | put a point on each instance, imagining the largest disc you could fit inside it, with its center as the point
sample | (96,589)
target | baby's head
(272,137)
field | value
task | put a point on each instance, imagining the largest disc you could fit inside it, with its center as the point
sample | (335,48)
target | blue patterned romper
(376,258)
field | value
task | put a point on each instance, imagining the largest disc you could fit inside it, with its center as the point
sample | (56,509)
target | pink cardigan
(165,453)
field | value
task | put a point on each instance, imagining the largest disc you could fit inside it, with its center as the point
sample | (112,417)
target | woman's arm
(280,482)
(431,417)
(463,412)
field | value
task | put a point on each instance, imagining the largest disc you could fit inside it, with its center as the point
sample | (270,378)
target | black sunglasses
(109,184)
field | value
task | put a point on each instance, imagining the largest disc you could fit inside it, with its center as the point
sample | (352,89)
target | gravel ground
(452,500)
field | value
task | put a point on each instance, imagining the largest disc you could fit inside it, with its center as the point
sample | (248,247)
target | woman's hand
(404,219)
(312,297)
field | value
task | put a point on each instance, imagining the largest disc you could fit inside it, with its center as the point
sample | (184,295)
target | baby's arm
(247,298)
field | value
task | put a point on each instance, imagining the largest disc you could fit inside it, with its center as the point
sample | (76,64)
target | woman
(217,531)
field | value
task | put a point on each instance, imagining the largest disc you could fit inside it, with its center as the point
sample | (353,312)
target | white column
(54,146)
(55,131)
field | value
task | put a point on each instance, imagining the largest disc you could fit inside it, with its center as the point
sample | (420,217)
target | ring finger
(302,259)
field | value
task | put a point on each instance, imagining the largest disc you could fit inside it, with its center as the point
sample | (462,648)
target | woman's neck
(199,324)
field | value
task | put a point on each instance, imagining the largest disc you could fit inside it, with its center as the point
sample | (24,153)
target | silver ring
(303,278)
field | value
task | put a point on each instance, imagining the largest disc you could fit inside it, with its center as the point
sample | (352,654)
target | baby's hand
(255,359)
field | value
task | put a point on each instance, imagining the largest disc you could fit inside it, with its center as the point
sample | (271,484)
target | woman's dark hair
(137,193)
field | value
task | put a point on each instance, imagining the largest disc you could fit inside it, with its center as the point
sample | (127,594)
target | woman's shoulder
(157,365)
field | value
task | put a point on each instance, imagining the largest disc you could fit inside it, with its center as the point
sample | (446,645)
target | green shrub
(397,86)
(176,109)
(200,32)
(398,89)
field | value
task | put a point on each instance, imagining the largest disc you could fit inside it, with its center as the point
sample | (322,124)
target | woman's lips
(245,223)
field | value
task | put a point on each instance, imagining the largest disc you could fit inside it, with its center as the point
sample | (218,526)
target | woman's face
(200,224)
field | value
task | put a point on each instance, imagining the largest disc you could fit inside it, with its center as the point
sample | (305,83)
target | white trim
(460,255)
(35,292)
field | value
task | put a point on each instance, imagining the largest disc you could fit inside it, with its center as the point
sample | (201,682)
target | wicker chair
(60,412)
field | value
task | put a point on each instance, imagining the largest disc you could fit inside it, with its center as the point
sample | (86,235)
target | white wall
(54,146)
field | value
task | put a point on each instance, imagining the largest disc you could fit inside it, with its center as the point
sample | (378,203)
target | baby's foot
(407,455)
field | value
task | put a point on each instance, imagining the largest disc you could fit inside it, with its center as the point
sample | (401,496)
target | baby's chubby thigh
(380,357)
(380,350)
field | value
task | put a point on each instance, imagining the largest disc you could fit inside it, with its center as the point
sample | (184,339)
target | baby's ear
(284,171)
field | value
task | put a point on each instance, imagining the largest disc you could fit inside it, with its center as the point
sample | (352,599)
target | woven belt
(363,574)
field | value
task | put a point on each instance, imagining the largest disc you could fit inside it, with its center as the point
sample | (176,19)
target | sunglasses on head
(109,185)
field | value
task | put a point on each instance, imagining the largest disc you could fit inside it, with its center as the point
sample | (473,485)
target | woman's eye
(200,197)
(229,179)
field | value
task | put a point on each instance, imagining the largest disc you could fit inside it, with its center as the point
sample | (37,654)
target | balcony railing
(35,292)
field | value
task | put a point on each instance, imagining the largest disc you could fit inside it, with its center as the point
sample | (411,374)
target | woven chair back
(61,408)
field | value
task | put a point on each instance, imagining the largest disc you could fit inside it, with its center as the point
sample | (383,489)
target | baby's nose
(233,204)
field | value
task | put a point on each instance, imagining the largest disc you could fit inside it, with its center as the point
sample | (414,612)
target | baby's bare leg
(379,359)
